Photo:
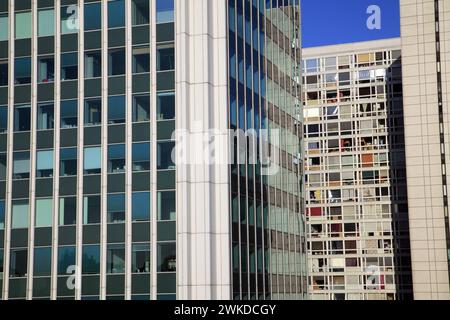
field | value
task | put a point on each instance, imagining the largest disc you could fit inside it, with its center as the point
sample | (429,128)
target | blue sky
(327,22)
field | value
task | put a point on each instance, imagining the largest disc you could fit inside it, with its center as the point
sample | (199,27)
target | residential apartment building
(356,201)
(425,32)
(96,199)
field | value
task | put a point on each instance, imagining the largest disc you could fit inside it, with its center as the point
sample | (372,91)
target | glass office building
(95,202)
(357,213)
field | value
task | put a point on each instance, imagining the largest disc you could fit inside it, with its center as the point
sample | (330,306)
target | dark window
(67,211)
(66,259)
(140,260)
(141,60)
(116,158)
(69,114)
(116,109)
(68,162)
(3,119)
(93,64)
(116,208)
(69,66)
(91,259)
(116,62)
(166,206)
(42,262)
(116,13)
(141,156)
(22,118)
(22,71)
(165,155)
(93,112)
(140,12)
(19,263)
(2,220)
(141,108)
(45,117)
(141,206)
(92,16)
(115,258)
(166,106)
(91,210)
(165,58)
(3,73)
(46,69)
(167,261)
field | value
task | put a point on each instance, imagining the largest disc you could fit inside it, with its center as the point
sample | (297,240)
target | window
(68,162)
(141,60)
(92,16)
(44,167)
(69,66)
(23,25)
(4,27)
(116,158)
(22,118)
(1,263)
(115,258)
(116,13)
(67,211)
(116,208)
(312,65)
(167,261)
(69,114)
(164,11)
(2,215)
(91,210)
(45,117)
(44,213)
(93,112)
(46,22)
(116,62)
(66,259)
(42,262)
(91,259)
(141,108)
(166,206)
(69,19)
(3,119)
(166,106)
(165,155)
(4,73)
(140,12)
(165,58)
(140,260)
(141,156)
(116,109)
(3,159)
(93,64)
(22,71)
(141,206)
(20,214)
(19,263)
(21,165)
(92,160)
(46,70)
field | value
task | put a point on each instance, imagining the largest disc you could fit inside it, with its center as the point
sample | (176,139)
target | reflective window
(164,11)
(42,262)
(92,16)
(116,208)
(22,70)
(115,262)
(141,156)
(45,117)
(116,109)
(23,23)
(166,106)
(166,206)
(44,166)
(69,114)
(68,162)
(116,13)
(140,12)
(141,60)
(66,259)
(20,216)
(46,22)
(18,263)
(165,155)
(22,118)
(92,160)
(116,62)
(69,66)
(116,158)
(69,19)
(93,64)
(21,165)
(165,58)
(91,259)
(93,112)
(140,260)
(91,209)
(44,213)
(167,261)
(2,215)
(141,108)
(141,206)
(67,211)
(4,27)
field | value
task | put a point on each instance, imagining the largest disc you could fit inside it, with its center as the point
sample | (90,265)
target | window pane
(3,27)
(116,109)
(3,160)
(116,208)
(44,163)
(4,73)
(46,22)
(66,259)
(93,112)
(44,210)
(45,117)
(69,19)
(67,211)
(91,259)
(116,62)
(69,66)
(165,58)
(141,156)
(92,160)
(115,259)
(165,155)
(22,118)
(22,71)
(2,215)
(116,13)
(166,206)
(19,263)
(91,210)
(140,12)
(141,60)
(21,165)
(140,261)
(3,119)
(92,16)
(23,25)
(167,261)
(93,64)
(116,158)
(68,162)
(164,11)
(141,206)
(42,262)
(166,106)
(69,114)
(20,214)
(141,108)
